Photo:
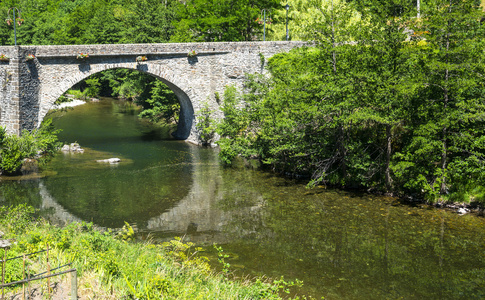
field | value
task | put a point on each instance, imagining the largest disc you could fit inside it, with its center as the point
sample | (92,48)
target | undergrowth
(112,267)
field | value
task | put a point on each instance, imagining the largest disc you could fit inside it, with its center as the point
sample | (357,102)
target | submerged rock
(113,160)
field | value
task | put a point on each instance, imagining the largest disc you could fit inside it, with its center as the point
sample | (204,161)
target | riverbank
(112,266)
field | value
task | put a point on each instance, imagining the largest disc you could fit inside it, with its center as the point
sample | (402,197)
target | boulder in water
(113,160)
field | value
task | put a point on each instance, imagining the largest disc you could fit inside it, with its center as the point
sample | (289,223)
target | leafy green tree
(205,125)
(383,84)
(236,137)
(446,150)
(91,22)
(93,87)
(335,65)
(162,105)
(219,20)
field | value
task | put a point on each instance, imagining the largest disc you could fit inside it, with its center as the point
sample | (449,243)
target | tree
(446,151)
(219,20)
(382,81)
(162,105)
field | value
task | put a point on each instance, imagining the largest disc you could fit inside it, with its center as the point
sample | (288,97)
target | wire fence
(27,277)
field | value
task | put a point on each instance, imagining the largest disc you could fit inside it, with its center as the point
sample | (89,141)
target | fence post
(23,276)
(28,282)
(74,285)
(5,249)
(48,273)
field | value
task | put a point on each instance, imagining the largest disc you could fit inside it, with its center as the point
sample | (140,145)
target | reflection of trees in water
(346,246)
(20,191)
(364,249)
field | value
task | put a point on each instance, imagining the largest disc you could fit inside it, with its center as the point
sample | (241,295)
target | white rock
(113,160)
(462,211)
(74,147)
(5,244)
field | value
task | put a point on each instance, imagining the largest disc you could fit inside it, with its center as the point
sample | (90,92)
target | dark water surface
(342,245)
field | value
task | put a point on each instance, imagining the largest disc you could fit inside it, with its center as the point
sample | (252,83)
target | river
(343,245)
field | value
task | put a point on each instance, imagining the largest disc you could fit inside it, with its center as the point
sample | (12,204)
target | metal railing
(29,278)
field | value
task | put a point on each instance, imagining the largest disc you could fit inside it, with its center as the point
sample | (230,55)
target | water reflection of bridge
(197,216)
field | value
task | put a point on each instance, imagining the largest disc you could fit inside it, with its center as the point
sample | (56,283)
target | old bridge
(29,88)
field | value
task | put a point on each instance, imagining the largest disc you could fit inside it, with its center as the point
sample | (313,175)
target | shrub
(206,125)
(13,148)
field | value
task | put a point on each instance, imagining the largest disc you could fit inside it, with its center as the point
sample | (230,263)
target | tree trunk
(445,108)
(388,158)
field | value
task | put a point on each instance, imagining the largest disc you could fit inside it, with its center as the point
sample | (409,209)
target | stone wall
(29,89)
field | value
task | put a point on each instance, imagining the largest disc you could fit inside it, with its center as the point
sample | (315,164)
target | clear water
(342,245)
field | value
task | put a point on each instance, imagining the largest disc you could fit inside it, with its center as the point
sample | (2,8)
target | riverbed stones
(73,147)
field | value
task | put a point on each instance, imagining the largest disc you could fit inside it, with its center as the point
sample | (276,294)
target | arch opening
(156,86)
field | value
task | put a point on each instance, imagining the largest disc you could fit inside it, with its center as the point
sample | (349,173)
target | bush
(14,149)
(206,125)
(93,88)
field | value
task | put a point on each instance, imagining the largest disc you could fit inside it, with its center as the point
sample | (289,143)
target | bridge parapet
(162,49)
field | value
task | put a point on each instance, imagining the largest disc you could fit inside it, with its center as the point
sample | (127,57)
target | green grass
(112,267)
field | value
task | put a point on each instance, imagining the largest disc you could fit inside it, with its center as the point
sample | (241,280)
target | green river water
(342,245)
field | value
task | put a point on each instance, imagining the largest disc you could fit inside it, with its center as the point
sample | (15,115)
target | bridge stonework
(28,89)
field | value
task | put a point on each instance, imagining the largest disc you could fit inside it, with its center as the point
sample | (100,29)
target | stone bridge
(28,89)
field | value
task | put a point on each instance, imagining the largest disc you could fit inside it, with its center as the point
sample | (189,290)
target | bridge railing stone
(166,48)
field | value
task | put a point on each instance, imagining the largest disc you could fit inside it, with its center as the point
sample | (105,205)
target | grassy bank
(110,266)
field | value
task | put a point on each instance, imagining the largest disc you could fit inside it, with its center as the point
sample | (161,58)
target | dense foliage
(399,108)
(48,22)
(40,143)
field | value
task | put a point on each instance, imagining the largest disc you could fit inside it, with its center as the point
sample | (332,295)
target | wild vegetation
(40,144)
(111,267)
(49,22)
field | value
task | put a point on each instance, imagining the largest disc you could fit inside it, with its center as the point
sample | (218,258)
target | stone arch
(186,122)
